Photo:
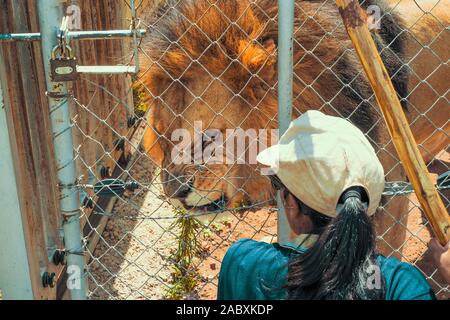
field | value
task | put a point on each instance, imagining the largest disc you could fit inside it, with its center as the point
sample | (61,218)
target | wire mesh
(214,62)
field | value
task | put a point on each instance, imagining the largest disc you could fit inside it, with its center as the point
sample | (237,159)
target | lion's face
(188,120)
(215,78)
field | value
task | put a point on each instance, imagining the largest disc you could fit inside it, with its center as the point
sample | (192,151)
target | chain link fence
(158,228)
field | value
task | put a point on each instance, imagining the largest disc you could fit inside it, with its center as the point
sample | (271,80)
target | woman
(331,183)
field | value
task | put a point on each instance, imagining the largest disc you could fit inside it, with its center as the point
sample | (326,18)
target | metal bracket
(58,95)
(107,69)
(65,35)
(109,188)
(77,35)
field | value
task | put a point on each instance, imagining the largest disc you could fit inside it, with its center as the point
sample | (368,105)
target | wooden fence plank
(31,141)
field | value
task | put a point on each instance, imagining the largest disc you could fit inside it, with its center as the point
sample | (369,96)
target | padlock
(63,65)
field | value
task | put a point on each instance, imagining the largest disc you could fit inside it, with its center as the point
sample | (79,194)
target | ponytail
(340,265)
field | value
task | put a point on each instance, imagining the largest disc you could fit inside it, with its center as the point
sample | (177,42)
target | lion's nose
(183,190)
(176,185)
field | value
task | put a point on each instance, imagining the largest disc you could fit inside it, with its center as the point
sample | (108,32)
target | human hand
(441,258)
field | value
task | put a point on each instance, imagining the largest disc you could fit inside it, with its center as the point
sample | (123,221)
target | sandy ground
(131,255)
(132,259)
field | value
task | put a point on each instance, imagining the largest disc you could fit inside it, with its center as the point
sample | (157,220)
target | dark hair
(341,263)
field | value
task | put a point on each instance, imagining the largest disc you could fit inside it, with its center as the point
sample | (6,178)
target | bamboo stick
(355,21)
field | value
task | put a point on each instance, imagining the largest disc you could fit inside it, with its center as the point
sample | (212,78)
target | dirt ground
(133,257)
(130,258)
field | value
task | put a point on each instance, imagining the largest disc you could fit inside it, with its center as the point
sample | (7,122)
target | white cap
(320,156)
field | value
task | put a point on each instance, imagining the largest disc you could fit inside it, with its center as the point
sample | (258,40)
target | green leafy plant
(140,107)
(185,276)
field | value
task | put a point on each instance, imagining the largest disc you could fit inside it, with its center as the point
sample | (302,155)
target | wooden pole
(355,21)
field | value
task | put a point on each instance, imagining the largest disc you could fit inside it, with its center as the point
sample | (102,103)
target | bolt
(105,172)
(131,122)
(59,257)
(48,279)
(132,186)
(88,202)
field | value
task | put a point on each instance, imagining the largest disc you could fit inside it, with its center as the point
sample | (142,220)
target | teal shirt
(254,270)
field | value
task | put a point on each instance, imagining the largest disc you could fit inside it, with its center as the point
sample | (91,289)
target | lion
(215,62)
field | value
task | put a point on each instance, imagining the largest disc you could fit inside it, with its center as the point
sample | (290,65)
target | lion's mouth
(215,206)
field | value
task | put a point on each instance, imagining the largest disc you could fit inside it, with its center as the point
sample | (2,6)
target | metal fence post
(285,89)
(135,39)
(50,16)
